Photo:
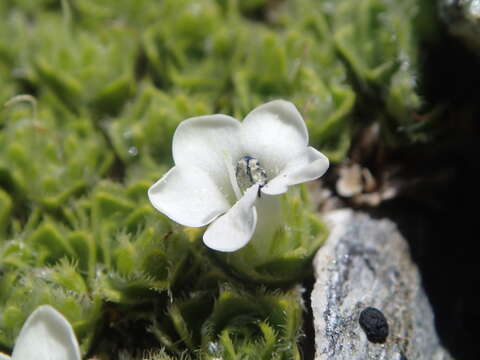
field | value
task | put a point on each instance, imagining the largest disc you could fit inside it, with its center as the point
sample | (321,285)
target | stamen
(249,172)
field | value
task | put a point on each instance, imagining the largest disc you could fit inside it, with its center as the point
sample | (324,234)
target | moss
(109,81)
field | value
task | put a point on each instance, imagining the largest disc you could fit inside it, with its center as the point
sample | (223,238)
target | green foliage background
(109,82)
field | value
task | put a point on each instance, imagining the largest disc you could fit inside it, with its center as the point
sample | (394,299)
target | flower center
(249,172)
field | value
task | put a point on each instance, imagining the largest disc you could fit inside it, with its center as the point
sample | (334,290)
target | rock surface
(366,263)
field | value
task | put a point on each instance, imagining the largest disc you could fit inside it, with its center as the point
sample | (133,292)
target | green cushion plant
(107,83)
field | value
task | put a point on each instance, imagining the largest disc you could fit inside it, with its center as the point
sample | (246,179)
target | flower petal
(46,335)
(309,165)
(188,196)
(208,142)
(234,230)
(4,357)
(273,132)
(270,217)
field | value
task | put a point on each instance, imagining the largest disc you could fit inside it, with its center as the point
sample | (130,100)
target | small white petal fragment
(188,196)
(309,165)
(273,133)
(350,180)
(46,335)
(234,230)
(4,357)
(207,142)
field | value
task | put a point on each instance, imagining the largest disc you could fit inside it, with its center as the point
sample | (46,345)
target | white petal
(234,230)
(208,142)
(270,218)
(46,335)
(4,357)
(273,133)
(308,165)
(189,196)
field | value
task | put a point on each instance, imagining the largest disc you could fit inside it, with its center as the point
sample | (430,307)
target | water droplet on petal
(133,151)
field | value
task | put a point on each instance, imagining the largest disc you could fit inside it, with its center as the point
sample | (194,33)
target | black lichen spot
(375,325)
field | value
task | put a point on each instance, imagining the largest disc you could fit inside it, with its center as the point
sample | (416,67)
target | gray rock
(366,263)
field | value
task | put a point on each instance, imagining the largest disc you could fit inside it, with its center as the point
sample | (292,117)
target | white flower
(46,335)
(224,166)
